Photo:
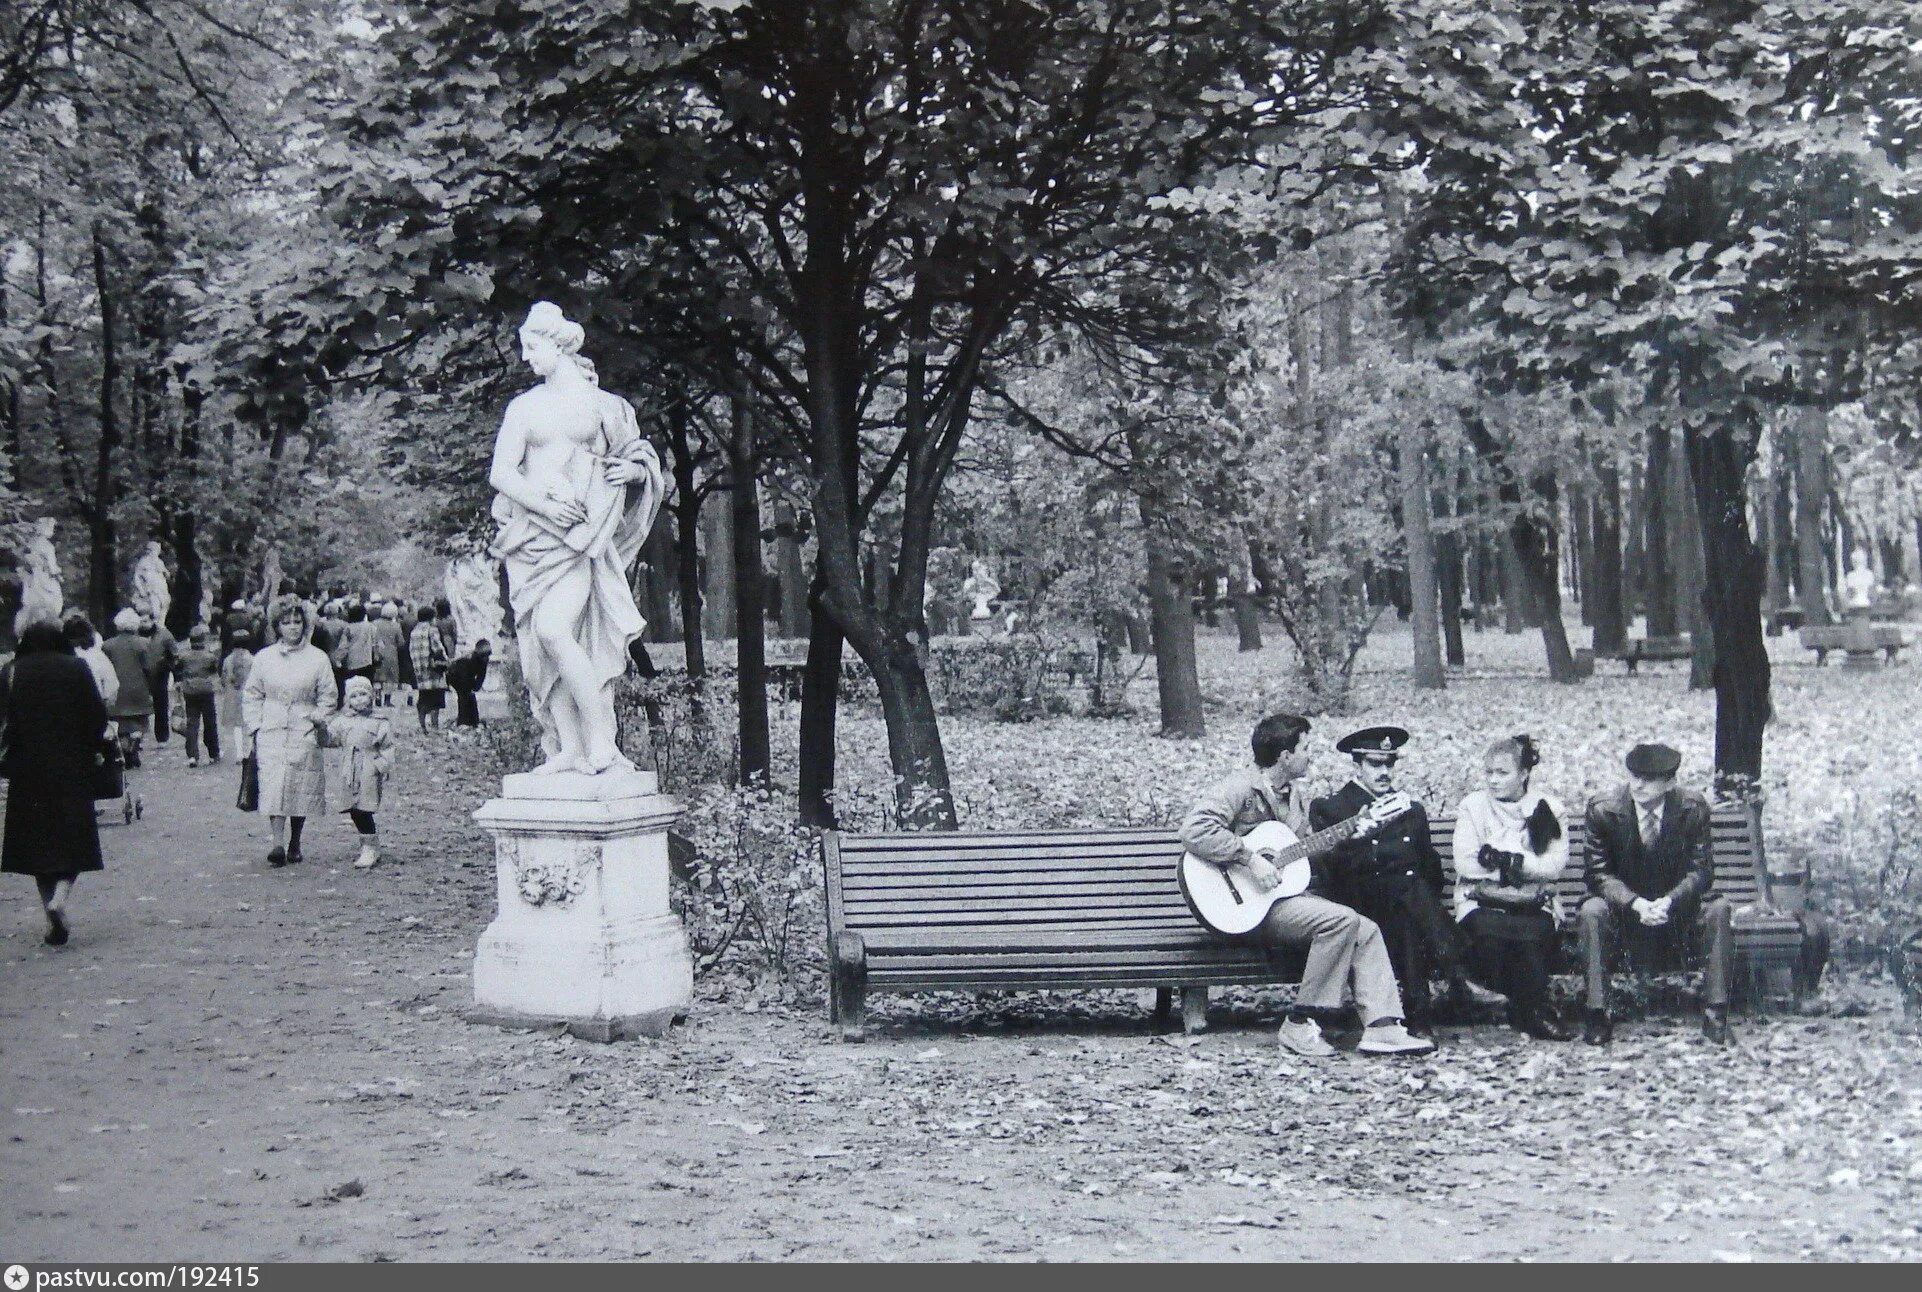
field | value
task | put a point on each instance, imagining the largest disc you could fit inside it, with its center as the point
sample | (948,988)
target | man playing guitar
(1346,954)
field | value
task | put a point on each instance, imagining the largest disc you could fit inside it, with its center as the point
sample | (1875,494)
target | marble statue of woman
(473,589)
(577,490)
(982,587)
(1858,585)
(41,596)
(151,594)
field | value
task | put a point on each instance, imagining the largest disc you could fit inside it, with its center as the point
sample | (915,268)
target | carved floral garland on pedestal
(558,880)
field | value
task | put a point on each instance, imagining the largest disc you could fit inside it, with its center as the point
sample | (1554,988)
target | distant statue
(151,595)
(472,587)
(578,490)
(1859,584)
(981,588)
(40,592)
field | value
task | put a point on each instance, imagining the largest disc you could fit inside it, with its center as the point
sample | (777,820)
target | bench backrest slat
(1107,877)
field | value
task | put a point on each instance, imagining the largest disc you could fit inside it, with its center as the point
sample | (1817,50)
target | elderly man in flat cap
(1651,873)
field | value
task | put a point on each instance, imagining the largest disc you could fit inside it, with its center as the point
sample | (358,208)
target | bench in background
(1637,650)
(1048,909)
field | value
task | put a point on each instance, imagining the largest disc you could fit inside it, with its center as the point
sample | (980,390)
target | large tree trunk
(1691,575)
(1518,611)
(1658,564)
(1423,597)
(1173,617)
(1811,492)
(820,707)
(1609,616)
(1635,551)
(657,581)
(687,535)
(1718,465)
(717,568)
(1581,575)
(1247,601)
(793,572)
(103,549)
(1449,573)
(750,637)
(1531,549)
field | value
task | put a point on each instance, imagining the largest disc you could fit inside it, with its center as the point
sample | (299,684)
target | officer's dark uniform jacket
(1384,862)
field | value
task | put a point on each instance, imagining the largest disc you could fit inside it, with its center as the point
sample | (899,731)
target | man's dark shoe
(1598,1030)
(277,857)
(1715,1024)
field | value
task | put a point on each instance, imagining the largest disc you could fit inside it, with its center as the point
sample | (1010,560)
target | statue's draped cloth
(539,555)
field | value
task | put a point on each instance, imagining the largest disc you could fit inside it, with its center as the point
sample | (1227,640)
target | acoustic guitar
(1228,900)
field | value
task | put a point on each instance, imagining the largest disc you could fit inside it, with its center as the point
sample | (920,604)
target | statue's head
(1859,558)
(153,547)
(549,337)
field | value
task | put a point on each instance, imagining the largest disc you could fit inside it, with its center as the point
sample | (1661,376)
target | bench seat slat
(1070,880)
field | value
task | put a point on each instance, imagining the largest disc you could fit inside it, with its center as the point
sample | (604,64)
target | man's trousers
(1712,925)
(1346,956)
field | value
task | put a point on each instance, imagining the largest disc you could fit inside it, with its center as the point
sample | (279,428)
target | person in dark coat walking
(54,720)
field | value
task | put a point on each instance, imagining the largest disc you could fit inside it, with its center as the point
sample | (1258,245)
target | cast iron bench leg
(850,986)
(1194,1009)
(1164,1007)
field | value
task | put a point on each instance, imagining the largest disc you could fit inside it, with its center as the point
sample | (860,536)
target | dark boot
(1598,1030)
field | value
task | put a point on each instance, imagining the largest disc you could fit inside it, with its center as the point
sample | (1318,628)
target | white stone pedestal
(584,936)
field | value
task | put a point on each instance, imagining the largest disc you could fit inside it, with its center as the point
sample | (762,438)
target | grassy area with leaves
(1841,770)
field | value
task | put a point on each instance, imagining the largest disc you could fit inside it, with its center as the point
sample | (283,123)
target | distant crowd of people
(274,687)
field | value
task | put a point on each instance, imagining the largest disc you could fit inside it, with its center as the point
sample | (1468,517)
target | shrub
(752,899)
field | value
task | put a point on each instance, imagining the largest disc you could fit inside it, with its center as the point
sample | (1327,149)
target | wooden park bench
(1860,641)
(1046,909)
(1638,650)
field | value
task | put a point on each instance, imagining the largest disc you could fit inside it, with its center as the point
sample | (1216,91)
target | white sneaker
(369,855)
(1303,1036)
(1392,1038)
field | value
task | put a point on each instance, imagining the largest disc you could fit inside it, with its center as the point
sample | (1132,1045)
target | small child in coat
(366,744)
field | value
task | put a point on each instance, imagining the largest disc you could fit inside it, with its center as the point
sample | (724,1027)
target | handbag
(109,770)
(248,800)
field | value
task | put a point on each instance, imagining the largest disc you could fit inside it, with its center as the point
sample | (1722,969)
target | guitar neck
(1320,841)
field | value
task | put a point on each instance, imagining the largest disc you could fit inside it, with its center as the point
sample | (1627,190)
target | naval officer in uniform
(1394,876)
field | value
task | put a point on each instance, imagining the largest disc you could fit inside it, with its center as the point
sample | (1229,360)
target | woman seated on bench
(1509,848)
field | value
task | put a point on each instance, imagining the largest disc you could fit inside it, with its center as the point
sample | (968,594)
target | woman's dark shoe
(294,857)
(277,858)
(1598,1030)
(56,929)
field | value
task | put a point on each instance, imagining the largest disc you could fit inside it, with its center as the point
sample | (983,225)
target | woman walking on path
(132,705)
(1510,845)
(389,646)
(366,743)
(291,683)
(357,655)
(54,720)
(428,650)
